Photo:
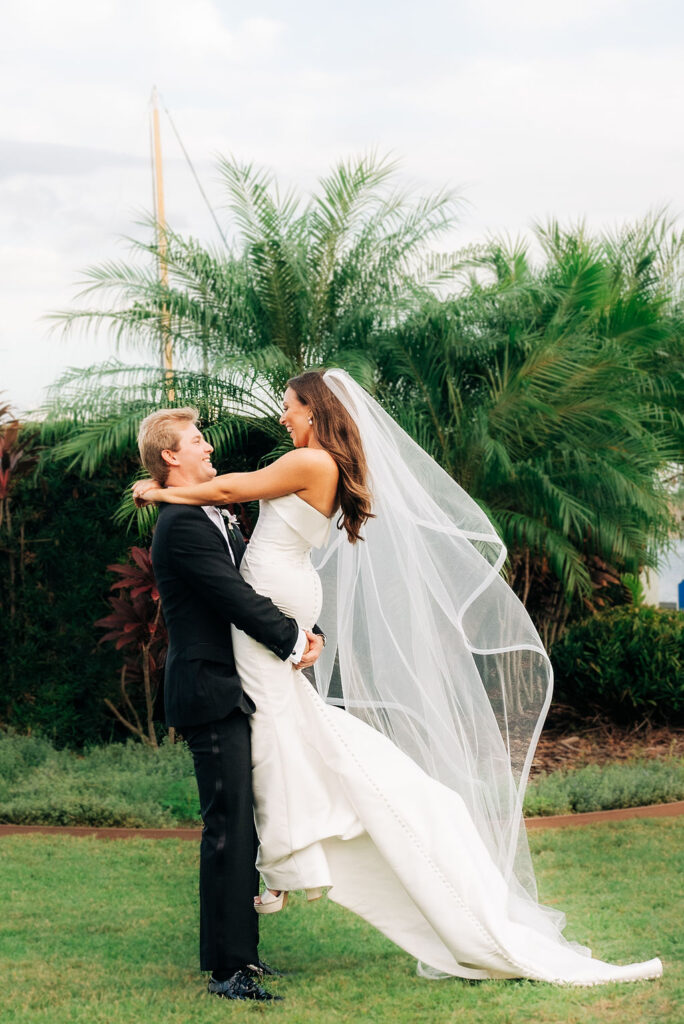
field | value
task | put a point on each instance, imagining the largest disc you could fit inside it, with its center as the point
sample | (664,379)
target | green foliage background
(54,674)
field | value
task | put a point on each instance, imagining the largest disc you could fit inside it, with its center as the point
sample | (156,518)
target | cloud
(537,108)
(50,159)
(84,70)
(544,15)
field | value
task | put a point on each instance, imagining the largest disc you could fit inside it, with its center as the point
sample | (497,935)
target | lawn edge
(667,810)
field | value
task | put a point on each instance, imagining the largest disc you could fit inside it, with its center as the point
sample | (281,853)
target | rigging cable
(194,174)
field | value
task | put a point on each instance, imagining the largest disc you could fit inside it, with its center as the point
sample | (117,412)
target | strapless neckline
(308,505)
(311,525)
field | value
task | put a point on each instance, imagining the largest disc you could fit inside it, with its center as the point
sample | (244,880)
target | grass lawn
(95,931)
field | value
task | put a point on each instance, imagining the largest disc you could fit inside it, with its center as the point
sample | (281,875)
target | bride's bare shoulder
(313,458)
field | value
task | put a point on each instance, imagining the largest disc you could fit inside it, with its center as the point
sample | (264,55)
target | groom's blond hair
(159,432)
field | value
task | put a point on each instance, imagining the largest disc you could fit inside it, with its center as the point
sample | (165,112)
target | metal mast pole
(162,244)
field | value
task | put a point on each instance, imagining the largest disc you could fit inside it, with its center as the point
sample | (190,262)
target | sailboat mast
(162,243)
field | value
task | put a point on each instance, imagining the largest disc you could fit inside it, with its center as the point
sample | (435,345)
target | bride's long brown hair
(336,432)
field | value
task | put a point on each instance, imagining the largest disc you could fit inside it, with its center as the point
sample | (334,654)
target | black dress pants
(229,881)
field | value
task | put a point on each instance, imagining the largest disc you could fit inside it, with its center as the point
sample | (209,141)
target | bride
(398,780)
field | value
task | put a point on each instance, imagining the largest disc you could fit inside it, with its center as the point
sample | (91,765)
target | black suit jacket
(202,594)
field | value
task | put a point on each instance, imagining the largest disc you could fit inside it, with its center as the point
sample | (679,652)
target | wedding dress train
(337,804)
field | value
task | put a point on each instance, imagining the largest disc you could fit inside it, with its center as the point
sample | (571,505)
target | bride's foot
(273,900)
(270,901)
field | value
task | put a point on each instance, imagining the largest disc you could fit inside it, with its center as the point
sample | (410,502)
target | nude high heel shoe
(270,902)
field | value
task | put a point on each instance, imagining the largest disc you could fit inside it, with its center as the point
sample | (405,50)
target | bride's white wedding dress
(338,804)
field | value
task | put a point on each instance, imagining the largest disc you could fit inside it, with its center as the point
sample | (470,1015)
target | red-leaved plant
(18,458)
(136,626)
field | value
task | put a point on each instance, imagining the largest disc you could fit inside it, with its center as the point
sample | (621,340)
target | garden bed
(131,786)
(568,742)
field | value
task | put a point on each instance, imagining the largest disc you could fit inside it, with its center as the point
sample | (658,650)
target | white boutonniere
(230,520)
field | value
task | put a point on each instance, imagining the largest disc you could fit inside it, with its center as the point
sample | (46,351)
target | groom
(196,555)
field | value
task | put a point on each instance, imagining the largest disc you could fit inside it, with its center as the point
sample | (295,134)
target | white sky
(533,109)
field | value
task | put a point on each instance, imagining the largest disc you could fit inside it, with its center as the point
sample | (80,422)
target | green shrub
(119,784)
(69,809)
(134,786)
(626,663)
(19,754)
(605,787)
(181,800)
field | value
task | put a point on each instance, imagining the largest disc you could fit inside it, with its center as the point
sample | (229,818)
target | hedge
(625,663)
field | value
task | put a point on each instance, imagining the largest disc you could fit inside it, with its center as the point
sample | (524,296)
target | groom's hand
(313,650)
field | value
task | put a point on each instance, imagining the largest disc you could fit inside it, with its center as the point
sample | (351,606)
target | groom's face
(190,463)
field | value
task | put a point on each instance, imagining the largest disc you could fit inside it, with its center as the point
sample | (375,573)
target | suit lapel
(237,544)
(228,537)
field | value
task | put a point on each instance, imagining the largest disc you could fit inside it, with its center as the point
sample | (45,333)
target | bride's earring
(310,421)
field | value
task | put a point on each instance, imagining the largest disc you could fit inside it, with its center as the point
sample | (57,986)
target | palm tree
(305,283)
(553,394)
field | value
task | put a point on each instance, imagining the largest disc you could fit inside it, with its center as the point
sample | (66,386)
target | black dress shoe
(263,970)
(240,985)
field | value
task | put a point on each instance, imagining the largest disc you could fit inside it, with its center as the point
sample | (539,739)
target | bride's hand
(143,492)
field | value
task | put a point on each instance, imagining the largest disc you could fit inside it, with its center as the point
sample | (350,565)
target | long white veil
(430,646)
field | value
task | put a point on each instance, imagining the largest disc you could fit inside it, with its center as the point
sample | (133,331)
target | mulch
(566,744)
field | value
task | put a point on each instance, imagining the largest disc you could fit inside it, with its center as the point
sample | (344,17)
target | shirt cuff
(299,648)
